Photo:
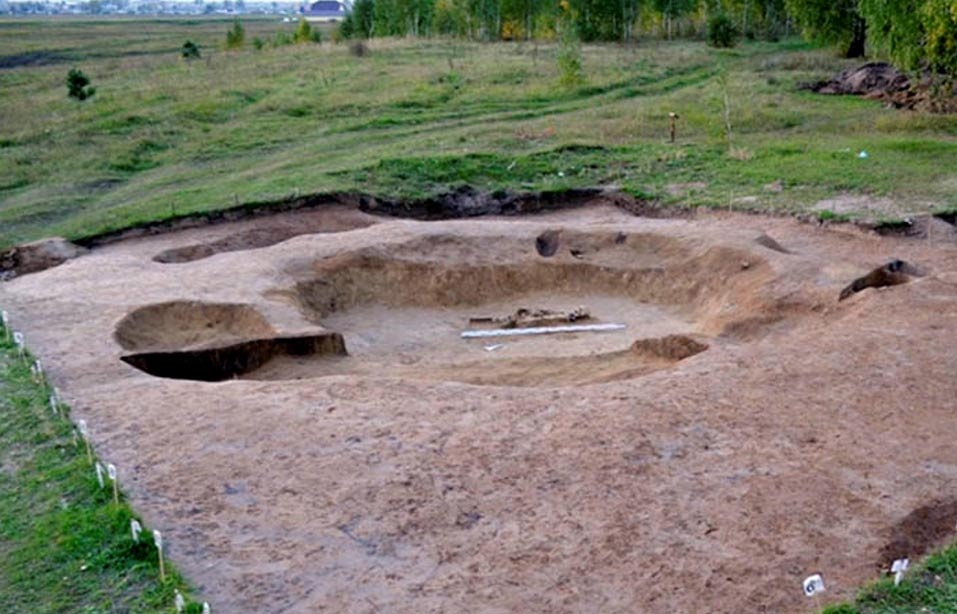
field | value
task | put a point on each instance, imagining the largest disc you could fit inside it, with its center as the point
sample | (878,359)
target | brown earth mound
(881,81)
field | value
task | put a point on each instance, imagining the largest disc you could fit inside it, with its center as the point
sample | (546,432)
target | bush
(358,49)
(722,31)
(569,48)
(303,32)
(77,85)
(235,36)
(190,50)
(281,39)
(258,43)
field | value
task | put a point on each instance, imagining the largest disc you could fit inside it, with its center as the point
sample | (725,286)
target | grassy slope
(163,137)
(931,588)
(64,545)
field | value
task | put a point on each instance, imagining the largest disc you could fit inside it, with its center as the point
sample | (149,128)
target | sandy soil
(810,436)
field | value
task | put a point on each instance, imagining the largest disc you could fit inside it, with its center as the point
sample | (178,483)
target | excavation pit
(402,309)
(745,424)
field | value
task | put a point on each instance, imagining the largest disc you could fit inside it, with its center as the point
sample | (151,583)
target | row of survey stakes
(812,585)
(81,431)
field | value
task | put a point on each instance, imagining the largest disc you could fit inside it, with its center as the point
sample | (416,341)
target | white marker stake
(5,319)
(136,528)
(18,340)
(179,602)
(813,585)
(38,369)
(111,473)
(158,540)
(99,474)
(206,609)
(54,405)
(85,433)
(898,568)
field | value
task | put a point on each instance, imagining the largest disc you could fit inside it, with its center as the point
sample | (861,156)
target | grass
(64,545)
(931,588)
(164,137)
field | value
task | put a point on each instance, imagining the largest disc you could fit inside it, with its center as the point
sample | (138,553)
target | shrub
(235,36)
(722,31)
(303,32)
(258,43)
(358,48)
(569,49)
(77,85)
(190,50)
(281,39)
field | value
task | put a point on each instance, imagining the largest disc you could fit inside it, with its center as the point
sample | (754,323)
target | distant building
(324,10)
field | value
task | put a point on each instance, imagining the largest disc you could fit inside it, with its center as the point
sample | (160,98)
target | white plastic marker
(136,528)
(5,319)
(813,585)
(206,609)
(37,370)
(99,474)
(898,568)
(179,602)
(158,540)
(111,473)
(85,433)
(18,340)
(54,404)
(541,330)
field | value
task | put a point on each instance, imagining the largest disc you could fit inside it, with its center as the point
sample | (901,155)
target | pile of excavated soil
(744,430)
(881,81)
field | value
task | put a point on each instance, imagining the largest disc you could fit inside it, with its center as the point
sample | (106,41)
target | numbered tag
(179,602)
(111,472)
(99,474)
(136,528)
(158,539)
(813,585)
(84,429)
(206,609)
(18,340)
(898,568)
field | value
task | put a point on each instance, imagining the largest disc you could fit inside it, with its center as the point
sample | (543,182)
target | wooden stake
(85,433)
(672,124)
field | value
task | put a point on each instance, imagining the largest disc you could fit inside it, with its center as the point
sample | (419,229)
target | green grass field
(64,545)
(164,137)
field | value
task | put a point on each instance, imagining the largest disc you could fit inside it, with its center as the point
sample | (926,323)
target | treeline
(595,20)
(915,34)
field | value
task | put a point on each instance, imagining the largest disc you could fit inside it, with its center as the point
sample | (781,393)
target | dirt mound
(869,79)
(37,256)
(881,81)
(893,273)
(672,347)
(919,532)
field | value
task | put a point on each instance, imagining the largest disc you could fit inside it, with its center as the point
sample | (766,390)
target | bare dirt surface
(744,431)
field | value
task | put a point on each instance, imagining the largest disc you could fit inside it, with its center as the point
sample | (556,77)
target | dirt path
(799,441)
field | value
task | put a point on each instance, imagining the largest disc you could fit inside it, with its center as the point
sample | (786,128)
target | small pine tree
(303,33)
(190,51)
(722,31)
(78,85)
(235,36)
(569,48)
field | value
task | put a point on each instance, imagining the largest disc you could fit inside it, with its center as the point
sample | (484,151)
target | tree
(190,51)
(77,85)
(303,32)
(235,36)
(915,35)
(832,21)
(674,9)
(721,30)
